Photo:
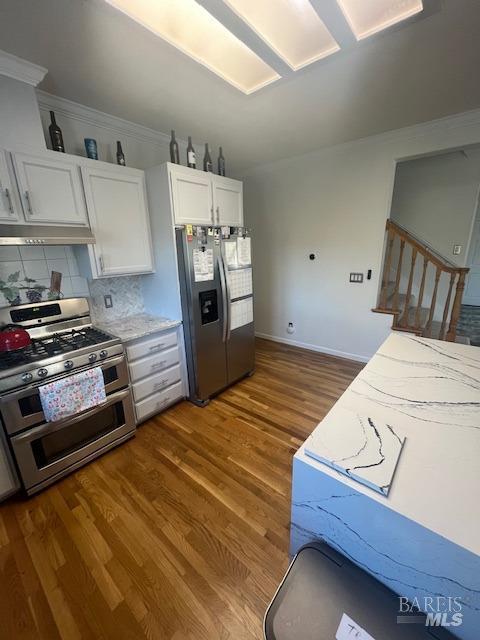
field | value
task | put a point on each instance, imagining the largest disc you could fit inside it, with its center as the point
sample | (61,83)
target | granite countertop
(136,326)
(428,393)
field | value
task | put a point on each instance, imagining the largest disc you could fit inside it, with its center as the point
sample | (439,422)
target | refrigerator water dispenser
(208,306)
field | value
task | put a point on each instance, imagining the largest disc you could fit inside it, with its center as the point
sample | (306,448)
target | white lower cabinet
(158,402)
(156,367)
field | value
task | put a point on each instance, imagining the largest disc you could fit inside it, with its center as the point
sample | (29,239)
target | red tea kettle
(13,337)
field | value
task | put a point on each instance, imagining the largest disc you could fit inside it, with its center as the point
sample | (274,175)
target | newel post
(457,305)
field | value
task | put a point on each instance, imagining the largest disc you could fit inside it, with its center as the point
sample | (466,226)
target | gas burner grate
(55,344)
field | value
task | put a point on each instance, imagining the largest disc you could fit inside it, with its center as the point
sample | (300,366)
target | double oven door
(45,451)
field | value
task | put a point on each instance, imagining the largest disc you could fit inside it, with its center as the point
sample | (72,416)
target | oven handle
(51,427)
(25,391)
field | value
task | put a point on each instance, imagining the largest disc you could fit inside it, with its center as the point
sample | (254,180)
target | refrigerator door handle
(229,302)
(223,284)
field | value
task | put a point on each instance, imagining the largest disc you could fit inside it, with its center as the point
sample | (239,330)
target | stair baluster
(447,306)
(399,273)
(428,328)
(387,266)
(405,318)
(421,292)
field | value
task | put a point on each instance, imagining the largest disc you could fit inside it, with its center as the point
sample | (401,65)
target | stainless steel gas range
(63,342)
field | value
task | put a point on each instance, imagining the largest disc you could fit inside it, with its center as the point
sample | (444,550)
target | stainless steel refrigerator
(215,274)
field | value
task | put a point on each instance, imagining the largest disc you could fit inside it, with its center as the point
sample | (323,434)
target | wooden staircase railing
(409,309)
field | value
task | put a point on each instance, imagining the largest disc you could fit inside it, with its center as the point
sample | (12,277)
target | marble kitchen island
(423,539)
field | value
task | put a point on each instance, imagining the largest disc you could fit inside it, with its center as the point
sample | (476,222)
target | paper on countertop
(231,254)
(241,313)
(203,264)
(350,630)
(240,283)
(244,251)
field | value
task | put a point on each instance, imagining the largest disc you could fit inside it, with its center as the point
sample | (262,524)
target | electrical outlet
(108,301)
(290,327)
(457,249)
(356,277)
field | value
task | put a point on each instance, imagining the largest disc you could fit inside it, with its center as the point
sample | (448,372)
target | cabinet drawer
(151,345)
(158,402)
(155,383)
(154,364)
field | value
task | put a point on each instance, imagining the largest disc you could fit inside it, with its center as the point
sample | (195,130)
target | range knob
(42,373)
(26,377)
(92,357)
(68,364)
(103,354)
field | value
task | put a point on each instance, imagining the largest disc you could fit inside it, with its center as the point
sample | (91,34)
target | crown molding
(20,69)
(87,115)
(462,120)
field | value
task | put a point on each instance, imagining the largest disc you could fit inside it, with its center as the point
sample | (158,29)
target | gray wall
(435,198)
(334,203)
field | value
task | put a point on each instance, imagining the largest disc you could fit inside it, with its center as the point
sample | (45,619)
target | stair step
(402,297)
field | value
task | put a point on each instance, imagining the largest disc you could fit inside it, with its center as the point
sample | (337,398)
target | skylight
(367,17)
(188,26)
(292,28)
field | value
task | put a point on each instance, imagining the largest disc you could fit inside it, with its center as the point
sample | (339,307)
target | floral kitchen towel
(72,394)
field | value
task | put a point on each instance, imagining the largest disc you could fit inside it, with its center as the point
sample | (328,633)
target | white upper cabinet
(50,189)
(227,201)
(9,205)
(192,196)
(204,198)
(118,213)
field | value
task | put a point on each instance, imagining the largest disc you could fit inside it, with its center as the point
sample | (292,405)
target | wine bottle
(191,161)
(174,154)
(207,159)
(120,154)
(56,136)
(221,162)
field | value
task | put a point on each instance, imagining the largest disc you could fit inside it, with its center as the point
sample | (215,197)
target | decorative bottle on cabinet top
(221,162)
(120,154)
(56,136)
(174,154)
(191,161)
(207,159)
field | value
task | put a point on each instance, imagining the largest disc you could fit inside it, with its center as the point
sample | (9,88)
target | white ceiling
(100,58)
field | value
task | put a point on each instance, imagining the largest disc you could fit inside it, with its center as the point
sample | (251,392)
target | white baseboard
(313,347)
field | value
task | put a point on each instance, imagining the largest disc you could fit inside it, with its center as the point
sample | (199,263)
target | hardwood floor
(181,533)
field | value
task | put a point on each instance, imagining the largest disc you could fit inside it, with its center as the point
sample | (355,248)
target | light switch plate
(457,249)
(356,277)
(108,301)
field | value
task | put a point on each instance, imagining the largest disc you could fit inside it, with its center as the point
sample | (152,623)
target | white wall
(435,199)
(334,203)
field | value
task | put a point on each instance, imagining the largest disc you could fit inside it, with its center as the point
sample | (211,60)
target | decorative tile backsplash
(126,295)
(37,263)
(26,271)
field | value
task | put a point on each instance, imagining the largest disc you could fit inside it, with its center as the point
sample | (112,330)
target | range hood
(26,234)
